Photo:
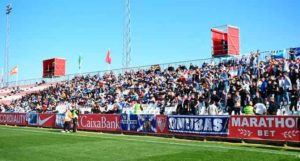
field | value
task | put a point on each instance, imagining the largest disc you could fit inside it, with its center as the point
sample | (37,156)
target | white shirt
(260,109)
(212,110)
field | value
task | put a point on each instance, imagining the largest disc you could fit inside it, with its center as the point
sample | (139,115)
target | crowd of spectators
(245,85)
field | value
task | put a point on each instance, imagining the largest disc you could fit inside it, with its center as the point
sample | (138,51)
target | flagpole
(80,63)
(2,77)
(109,67)
(17,76)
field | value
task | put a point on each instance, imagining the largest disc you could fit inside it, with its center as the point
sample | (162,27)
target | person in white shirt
(260,109)
(212,109)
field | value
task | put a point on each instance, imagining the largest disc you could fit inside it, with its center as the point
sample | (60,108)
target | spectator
(67,121)
(260,109)
(249,110)
(273,107)
(212,109)
(237,104)
(230,104)
(137,107)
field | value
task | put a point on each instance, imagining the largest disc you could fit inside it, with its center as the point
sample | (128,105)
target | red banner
(99,122)
(162,124)
(264,127)
(13,118)
(46,120)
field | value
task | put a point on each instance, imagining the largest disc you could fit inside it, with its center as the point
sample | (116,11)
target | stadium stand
(248,85)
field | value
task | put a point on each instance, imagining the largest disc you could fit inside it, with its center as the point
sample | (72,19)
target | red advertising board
(46,120)
(162,124)
(225,41)
(99,122)
(54,67)
(233,41)
(219,40)
(264,127)
(13,118)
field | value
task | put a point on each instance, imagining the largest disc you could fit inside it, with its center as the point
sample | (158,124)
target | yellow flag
(13,71)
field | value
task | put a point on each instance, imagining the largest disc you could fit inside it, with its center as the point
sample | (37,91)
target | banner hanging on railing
(162,124)
(13,118)
(46,120)
(264,127)
(147,123)
(99,122)
(32,118)
(296,51)
(59,120)
(204,125)
(129,122)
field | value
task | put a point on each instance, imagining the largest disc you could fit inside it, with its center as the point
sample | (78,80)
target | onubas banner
(13,118)
(99,122)
(264,127)
(202,125)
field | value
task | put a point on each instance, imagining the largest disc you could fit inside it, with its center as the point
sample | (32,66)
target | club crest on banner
(161,123)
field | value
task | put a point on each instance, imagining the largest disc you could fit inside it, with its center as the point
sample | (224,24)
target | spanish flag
(13,71)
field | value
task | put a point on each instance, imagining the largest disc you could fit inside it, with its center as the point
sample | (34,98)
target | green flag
(80,62)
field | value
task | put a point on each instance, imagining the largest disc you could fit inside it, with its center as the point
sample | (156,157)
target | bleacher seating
(226,87)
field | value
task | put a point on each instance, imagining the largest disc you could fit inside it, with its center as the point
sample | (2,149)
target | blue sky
(161,30)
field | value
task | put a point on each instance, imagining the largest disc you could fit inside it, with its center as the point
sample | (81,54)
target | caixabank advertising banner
(99,122)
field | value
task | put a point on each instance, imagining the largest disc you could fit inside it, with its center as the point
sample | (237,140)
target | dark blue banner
(297,51)
(206,125)
(129,122)
(59,121)
(147,123)
(32,118)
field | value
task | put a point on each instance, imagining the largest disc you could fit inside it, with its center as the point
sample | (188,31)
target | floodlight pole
(126,59)
(6,53)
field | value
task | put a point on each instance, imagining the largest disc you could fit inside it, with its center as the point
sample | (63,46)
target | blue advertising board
(206,125)
(129,122)
(32,118)
(147,123)
(59,121)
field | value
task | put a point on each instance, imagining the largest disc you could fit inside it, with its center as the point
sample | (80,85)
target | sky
(162,31)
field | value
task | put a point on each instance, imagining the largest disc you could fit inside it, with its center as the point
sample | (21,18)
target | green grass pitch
(36,144)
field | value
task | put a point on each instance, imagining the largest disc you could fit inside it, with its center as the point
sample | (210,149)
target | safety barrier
(273,128)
